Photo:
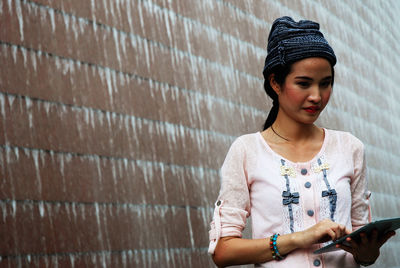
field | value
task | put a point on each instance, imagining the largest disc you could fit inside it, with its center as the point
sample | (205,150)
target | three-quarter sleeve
(360,210)
(233,204)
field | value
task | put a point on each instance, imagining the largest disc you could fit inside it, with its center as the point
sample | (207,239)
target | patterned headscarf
(290,41)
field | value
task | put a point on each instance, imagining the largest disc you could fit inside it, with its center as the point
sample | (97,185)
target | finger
(352,243)
(346,248)
(386,238)
(374,236)
(339,231)
(347,231)
(332,234)
(364,238)
(342,230)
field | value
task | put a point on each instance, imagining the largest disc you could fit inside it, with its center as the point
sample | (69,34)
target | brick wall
(116,116)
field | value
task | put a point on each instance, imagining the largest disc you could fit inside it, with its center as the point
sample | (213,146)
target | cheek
(294,95)
(325,96)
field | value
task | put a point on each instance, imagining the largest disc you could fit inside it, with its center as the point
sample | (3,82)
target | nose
(315,94)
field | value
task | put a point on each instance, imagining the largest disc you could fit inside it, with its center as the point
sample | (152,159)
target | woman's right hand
(323,231)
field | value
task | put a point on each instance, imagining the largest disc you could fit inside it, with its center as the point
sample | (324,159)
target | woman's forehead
(311,66)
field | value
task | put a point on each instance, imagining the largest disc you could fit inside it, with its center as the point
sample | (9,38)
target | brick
(40,175)
(67,72)
(218,15)
(200,223)
(36,227)
(127,258)
(95,132)
(80,35)
(163,102)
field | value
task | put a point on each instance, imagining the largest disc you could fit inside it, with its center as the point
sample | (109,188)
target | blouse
(284,196)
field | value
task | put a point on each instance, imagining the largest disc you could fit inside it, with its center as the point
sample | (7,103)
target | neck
(294,131)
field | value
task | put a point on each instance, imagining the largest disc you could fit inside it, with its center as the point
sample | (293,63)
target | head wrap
(290,41)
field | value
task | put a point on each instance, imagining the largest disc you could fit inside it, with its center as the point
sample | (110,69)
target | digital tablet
(383,226)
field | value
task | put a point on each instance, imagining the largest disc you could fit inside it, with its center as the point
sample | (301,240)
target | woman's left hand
(367,249)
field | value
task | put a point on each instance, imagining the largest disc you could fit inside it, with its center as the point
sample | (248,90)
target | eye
(325,84)
(303,84)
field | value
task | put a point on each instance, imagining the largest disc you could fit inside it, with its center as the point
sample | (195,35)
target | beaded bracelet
(274,248)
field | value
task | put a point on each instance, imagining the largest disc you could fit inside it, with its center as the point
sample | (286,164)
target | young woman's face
(306,90)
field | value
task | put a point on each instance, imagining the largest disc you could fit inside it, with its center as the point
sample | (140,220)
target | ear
(275,86)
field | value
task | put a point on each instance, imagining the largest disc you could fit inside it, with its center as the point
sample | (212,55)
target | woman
(295,179)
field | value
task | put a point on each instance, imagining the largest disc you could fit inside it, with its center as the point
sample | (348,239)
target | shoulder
(249,138)
(345,140)
(344,137)
(245,143)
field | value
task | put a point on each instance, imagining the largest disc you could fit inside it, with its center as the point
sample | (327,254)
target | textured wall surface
(116,116)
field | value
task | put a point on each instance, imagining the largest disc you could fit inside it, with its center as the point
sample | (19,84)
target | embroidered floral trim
(318,168)
(288,171)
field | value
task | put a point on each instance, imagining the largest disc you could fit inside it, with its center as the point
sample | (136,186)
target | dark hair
(280,72)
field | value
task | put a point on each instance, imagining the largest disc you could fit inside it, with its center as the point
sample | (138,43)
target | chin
(309,121)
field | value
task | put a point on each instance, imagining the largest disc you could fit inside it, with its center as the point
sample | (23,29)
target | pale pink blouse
(253,180)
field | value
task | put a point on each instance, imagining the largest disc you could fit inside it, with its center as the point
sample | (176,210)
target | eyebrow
(309,78)
(303,77)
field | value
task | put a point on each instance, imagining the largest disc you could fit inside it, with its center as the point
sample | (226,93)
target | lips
(312,109)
